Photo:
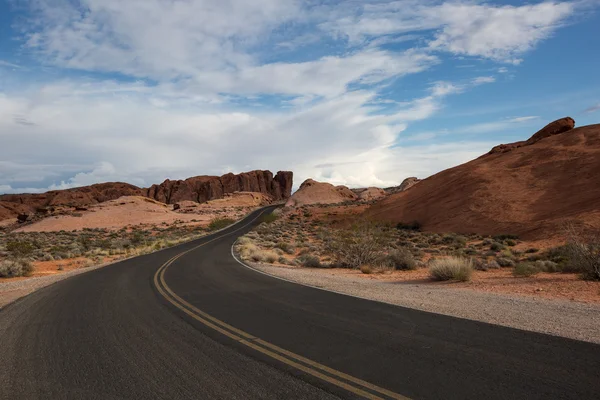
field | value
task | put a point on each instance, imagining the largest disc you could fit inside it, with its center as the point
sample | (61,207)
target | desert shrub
(547,266)
(258,256)
(470,251)
(244,240)
(496,246)
(402,259)
(451,268)
(526,269)
(282,260)
(366,269)
(358,245)
(14,268)
(270,257)
(219,223)
(268,218)
(454,239)
(484,265)
(287,247)
(532,250)
(409,226)
(505,236)
(584,253)
(20,248)
(505,262)
(310,261)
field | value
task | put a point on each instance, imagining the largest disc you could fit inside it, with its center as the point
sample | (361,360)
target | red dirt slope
(532,190)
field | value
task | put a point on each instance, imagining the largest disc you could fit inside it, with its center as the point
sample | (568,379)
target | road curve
(190,322)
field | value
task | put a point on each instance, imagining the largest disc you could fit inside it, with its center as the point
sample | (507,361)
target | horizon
(351,93)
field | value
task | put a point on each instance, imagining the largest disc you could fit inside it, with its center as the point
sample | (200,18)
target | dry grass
(451,268)
(15,268)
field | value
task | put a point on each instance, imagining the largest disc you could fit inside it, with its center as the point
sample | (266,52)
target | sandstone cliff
(204,188)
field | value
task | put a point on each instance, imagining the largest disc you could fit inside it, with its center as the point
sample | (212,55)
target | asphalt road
(191,322)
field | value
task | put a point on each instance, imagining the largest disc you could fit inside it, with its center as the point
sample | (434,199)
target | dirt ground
(544,285)
(304,228)
(135,211)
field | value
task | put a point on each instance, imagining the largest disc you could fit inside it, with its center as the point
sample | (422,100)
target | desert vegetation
(20,252)
(299,238)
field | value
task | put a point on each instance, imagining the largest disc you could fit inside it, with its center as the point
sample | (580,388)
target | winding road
(191,322)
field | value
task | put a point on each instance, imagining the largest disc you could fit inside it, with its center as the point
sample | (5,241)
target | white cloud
(482,79)
(190,71)
(501,33)
(593,108)
(86,134)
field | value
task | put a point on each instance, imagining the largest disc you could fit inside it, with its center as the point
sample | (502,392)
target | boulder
(553,128)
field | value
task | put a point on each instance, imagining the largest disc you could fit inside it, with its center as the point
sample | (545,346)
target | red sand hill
(531,188)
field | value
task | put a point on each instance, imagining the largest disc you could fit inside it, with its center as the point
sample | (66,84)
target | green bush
(14,268)
(220,223)
(451,268)
(20,248)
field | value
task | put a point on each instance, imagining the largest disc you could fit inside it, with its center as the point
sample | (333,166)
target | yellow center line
(261,345)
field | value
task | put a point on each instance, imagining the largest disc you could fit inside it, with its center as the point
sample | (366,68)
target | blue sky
(361,93)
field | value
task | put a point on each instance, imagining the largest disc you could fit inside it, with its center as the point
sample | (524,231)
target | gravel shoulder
(568,319)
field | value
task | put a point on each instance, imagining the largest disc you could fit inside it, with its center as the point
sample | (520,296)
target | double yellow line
(330,375)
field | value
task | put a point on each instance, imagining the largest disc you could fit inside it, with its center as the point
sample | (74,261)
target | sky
(359,93)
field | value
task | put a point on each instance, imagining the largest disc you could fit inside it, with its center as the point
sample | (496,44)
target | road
(191,322)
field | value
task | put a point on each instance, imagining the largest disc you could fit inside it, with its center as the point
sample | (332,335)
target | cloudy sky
(350,92)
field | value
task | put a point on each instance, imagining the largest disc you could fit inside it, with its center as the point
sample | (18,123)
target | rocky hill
(81,196)
(197,189)
(531,188)
(313,192)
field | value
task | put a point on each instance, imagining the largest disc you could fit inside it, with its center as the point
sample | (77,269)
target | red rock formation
(313,192)
(204,188)
(532,191)
(198,189)
(553,128)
